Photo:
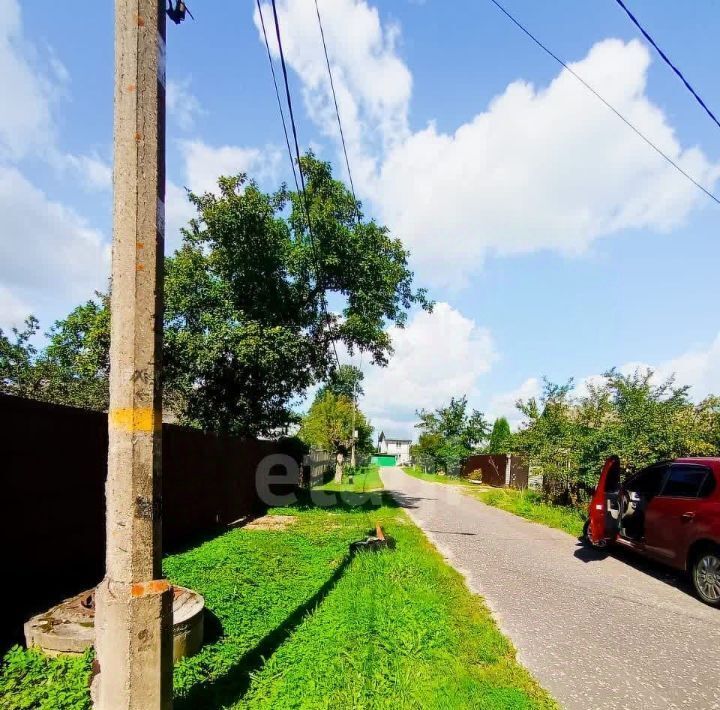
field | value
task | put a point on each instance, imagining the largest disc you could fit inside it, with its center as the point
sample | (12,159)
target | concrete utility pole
(134,605)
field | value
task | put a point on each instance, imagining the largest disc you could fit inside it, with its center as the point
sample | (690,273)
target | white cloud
(547,168)
(205,163)
(45,246)
(48,252)
(541,168)
(698,367)
(25,112)
(504,404)
(182,105)
(373,84)
(91,171)
(13,311)
(437,355)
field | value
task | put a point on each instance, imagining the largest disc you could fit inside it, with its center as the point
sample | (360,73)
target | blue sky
(555,242)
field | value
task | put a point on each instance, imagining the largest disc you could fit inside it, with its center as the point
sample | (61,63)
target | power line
(292,124)
(337,110)
(349,171)
(610,106)
(318,270)
(277,96)
(667,61)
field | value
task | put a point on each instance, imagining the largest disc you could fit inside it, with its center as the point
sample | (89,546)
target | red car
(669,512)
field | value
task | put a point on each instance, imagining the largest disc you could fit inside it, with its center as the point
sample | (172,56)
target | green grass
(366,478)
(30,679)
(298,623)
(528,504)
(436,478)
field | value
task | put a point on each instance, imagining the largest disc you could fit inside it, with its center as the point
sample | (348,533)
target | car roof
(712,461)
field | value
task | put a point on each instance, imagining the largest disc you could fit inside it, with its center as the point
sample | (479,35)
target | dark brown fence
(498,469)
(53,463)
(317,466)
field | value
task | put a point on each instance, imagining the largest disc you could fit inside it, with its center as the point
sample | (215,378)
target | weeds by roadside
(529,504)
(526,503)
(416,472)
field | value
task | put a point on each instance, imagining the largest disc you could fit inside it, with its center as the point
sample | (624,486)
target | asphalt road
(596,631)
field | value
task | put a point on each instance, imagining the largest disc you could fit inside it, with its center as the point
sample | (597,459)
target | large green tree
(449,434)
(18,355)
(247,324)
(328,425)
(628,415)
(500,437)
(345,380)
(73,366)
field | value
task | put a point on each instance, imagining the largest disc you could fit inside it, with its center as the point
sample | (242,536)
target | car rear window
(688,481)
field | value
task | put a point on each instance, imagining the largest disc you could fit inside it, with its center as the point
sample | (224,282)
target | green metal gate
(383,460)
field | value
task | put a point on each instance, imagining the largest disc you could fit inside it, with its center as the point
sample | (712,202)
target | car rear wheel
(585,538)
(706,576)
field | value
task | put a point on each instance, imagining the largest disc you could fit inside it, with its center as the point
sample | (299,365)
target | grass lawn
(528,504)
(366,478)
(417,472)
(298,623)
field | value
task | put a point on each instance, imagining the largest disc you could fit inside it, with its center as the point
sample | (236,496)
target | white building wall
(400,450)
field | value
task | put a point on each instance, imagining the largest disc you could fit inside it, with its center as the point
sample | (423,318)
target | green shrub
(30,679)
(529,504)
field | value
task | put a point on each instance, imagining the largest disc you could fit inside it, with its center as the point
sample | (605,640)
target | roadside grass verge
(416,472)
(296,622)
(526,503)
(365,478)
(529,504)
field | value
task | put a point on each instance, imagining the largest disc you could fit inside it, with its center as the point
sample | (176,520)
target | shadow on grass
(340,501)
(212,628)
(343,501)
(231,687)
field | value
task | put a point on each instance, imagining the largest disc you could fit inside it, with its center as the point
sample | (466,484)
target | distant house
(397,448)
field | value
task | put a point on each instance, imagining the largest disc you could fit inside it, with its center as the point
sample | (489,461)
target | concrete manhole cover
(69,627)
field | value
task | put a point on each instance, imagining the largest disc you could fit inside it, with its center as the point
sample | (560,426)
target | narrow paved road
(597,632)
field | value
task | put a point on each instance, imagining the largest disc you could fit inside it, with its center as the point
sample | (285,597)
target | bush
(569,437)
(475,475)
(30,679)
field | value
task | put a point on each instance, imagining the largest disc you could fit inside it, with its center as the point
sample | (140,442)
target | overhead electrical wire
(667,61)
(347,165)
(659,151)
(303,191)
(337,110)
(277,96)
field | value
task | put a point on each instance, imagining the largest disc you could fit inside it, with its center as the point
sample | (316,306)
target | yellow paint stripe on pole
(135,419)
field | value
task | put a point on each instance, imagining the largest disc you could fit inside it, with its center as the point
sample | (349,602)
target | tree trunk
(339,468)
